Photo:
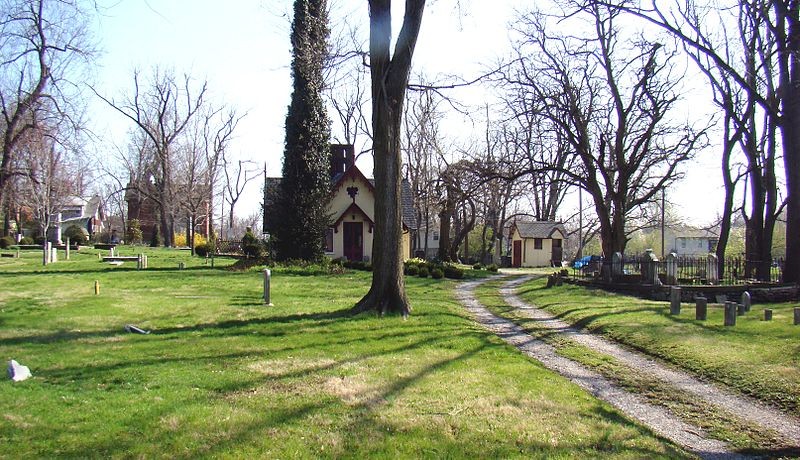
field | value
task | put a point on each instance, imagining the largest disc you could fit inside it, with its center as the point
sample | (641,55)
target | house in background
(689,241)
(86,213)
(351,207)
(537,244)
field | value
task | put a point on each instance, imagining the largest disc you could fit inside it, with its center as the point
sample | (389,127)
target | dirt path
(657,418)
(742,406)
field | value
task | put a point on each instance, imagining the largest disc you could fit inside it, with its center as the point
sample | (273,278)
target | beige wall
(365,200)
(536,257)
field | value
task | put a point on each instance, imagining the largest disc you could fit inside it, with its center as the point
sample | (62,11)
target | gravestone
(616,265)
(701,308)
(767,314)
(675,300)
(746,301)
(740,311)
(712,274)
(730,314)
(796,316)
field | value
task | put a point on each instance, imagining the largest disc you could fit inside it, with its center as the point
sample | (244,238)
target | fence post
(267,277)
(675,300)
(730,313)
(701,308)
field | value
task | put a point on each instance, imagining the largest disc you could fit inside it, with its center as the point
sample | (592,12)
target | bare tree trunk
(389,80)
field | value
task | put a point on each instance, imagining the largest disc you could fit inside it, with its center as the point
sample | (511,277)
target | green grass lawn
(223,375)
(759,358)
(742,435)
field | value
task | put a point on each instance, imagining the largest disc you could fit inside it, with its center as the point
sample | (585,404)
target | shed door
(516,259)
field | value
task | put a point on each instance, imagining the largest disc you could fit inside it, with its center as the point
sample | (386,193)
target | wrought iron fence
(228,247)
(689,270)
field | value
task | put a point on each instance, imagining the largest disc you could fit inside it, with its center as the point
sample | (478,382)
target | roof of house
(539,229)
(689,232)
(409,216)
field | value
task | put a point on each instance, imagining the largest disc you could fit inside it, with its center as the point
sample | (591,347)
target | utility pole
(663,225)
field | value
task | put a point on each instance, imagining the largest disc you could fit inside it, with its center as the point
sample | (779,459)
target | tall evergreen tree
(305,188)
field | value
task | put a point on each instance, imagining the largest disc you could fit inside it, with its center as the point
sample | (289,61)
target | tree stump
(701,309)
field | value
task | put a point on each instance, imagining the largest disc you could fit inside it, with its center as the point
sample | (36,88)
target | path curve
(655,417)
(742,406)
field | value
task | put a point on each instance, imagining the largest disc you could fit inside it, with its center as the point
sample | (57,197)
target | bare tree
(775,23)
(162,111)
(206,155)
(44,46)
(50,176)
(236,180)
(611,105)
(389,74)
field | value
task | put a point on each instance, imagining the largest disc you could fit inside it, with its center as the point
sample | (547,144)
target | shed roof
(539,229)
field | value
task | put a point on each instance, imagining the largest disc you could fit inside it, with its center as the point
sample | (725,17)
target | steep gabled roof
(409,215)
(539,229)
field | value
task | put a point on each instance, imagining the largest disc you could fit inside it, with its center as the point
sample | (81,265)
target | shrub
(179,239)
(39,240)
(492,268)
(27,240)
(423,272)
(453,272)
(155,241)
(134,234)
(77,235)
(437,273)
(250,244)
(6,241)
(477,266)
(412,270)
(201,249)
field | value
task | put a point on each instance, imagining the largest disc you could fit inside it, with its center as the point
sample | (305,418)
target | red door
(353,236)
(516,259)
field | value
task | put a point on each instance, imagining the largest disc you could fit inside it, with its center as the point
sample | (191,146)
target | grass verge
(223,375)
(718,424)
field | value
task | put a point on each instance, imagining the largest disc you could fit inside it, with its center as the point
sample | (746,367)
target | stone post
(66,250)
(746,301)
(53,255)
(730,313)
(675,300)
(767,314)
(701,309)
(649,265)
(712,274)
(267,279)
(672,268)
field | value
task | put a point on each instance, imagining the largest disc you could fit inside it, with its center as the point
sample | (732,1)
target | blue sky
(242,49)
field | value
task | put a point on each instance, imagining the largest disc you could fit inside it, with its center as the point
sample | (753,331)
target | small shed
(537,244)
